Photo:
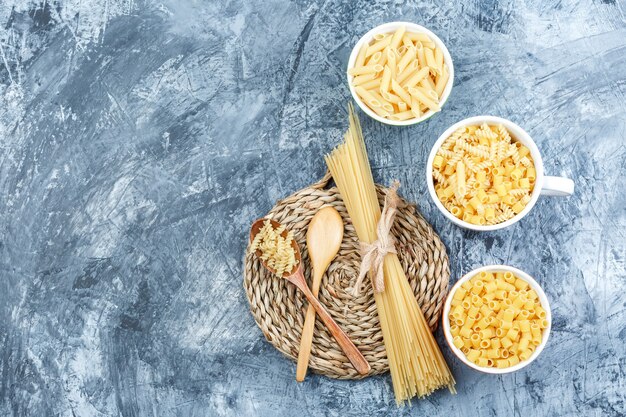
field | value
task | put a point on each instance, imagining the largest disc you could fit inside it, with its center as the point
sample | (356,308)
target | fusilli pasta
(496,179)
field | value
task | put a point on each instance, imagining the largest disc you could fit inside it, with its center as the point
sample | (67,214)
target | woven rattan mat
(279,309)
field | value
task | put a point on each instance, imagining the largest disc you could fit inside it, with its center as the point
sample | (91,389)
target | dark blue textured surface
(139,139)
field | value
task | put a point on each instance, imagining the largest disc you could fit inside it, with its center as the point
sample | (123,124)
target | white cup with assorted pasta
(496,319)
(400,73)
(486,173)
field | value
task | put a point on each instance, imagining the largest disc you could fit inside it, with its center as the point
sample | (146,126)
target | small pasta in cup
(496,319)
(482,175)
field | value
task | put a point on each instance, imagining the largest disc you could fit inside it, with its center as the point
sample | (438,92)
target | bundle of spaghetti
(415,361)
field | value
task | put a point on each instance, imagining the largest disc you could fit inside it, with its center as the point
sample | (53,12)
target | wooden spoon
(323,239)
(296,277)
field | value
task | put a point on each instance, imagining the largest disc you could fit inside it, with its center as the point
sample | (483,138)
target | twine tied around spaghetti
(373,254)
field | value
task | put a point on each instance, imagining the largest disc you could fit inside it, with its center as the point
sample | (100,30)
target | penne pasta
(427,83)
(442,81)
(384,103)
(417,37)
(406,41)
(391,62)
(381,112)
(360,58)
(371,84)
(438,59)
(401,92)
(415,107)
(370,69)
(392,98)
(405,73)
(396,38)
(383,56)
(419,47)
(423,98)
(386,79)
(416,77)
(402,116)
(406,59)
(429,92)
(374,59)
(368,97)
(360,79)
(409,70)
(430,60)
(377,46)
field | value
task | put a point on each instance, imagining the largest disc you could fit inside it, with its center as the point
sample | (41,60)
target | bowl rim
(542,298)
(389,27)
(518,134)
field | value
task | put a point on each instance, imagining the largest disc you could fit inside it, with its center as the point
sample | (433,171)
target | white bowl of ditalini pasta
(485,173)
(497,319)
(400,73)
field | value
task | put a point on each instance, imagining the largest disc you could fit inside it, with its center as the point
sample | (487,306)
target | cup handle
(557,186)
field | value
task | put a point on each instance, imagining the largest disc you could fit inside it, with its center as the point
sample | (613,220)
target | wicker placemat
(279,308)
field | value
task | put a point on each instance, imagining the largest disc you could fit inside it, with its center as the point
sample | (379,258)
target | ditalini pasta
(496,319)
(400,75)
(276,250)
(482,176)
(416,363)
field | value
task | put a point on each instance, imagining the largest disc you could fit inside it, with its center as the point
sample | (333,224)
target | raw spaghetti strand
(415,361)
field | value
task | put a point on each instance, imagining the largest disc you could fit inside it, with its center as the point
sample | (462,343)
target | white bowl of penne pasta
(400,73)
(496,319)
(485,173)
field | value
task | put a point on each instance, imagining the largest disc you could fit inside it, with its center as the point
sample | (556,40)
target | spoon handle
(307,333)
(353,354)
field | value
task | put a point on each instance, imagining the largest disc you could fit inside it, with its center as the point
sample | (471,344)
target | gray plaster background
(138,140)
